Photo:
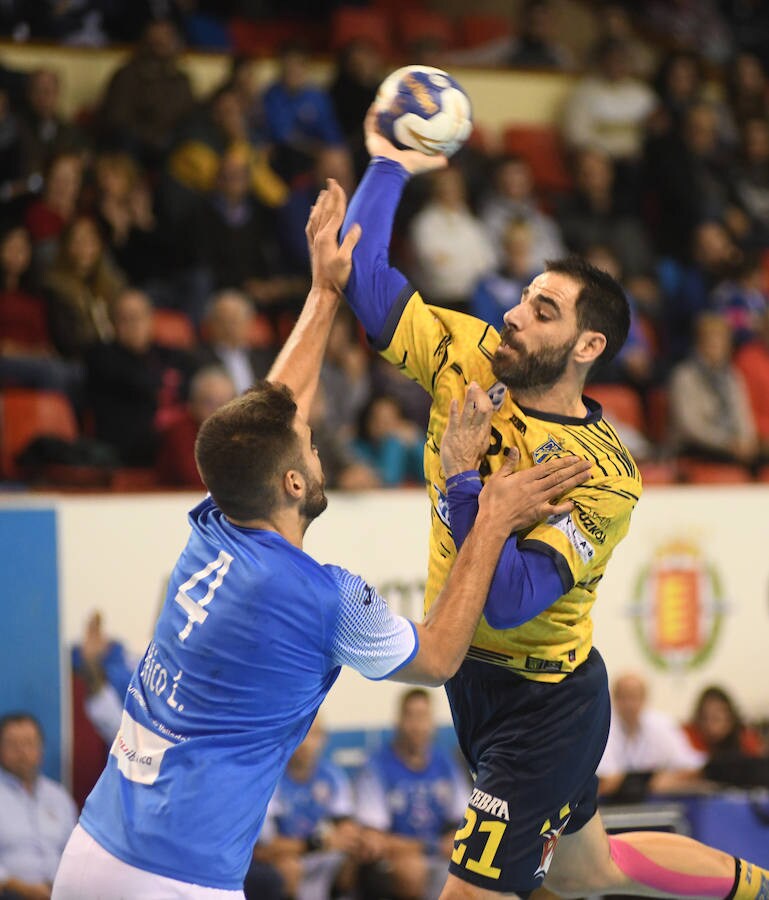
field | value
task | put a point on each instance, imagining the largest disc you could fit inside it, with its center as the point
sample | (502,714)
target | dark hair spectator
(717,728)
(389,443)
(148,96)
(512,198)
(45,133)
(48,216)
(135,387)
(37,814)
(81,286)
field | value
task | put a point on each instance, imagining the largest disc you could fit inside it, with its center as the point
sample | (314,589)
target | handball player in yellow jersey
(530,703)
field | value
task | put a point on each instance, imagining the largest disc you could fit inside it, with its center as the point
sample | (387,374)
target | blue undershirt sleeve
(376,291)
(526,581)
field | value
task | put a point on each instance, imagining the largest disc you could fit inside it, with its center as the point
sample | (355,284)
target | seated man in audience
(210,388)
(411,799)
(309,834)
(36,813)
(647,753)
(134,386)
(227,330)
(710,410)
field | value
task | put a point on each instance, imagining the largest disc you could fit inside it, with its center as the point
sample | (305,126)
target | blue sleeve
(376,291)
(525,582)
(368,636)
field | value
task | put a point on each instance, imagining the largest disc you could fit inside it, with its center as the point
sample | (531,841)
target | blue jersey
(248,643)
(298,807)
(423,804)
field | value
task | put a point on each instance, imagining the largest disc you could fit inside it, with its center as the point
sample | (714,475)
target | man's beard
(530,371)
(315,500)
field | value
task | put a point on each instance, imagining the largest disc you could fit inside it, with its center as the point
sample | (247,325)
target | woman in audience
(717,727)
(81,286)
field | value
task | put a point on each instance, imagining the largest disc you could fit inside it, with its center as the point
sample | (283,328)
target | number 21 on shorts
(196,609)
(483,865)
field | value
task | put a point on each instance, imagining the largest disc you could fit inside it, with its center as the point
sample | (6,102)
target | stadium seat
(619,403)
(395,6)
(414,25)
(658,472)
(173,328)
(26,414)
(477,29)
(696,471)
(265,36)
(763,474)
(350,23)
(541,147)
(129,480)
(657,414)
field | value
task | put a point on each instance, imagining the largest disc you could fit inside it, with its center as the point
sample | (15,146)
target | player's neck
(285,522)
(561,399)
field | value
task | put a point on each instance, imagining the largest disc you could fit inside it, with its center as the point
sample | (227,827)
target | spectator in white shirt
(451,247)
(644,742)
(36,813)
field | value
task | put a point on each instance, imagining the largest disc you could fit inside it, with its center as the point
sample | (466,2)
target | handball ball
(422,108)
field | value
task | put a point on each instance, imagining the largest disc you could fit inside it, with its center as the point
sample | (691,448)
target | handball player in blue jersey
(253,631)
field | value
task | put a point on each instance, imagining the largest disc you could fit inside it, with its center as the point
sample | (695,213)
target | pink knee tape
(640,868)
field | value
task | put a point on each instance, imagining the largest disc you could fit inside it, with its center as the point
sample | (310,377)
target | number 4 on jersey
(196,609)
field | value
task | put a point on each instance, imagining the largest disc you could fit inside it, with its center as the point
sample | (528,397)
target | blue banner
(29,634)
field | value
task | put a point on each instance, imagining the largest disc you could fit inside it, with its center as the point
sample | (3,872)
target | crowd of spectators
(157,202)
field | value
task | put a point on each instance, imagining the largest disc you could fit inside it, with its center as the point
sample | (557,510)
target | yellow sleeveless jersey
(443,351)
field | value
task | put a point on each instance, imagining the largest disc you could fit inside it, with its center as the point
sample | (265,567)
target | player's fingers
(470,412)
(556,509)
(369,122)
(337,201)
(480,398)
(350,240)
(554,467)
(453,415)
(510,464)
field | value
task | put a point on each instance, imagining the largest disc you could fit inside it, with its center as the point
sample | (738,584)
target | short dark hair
(416,693)
(244,447)
(601,305)
(14,718)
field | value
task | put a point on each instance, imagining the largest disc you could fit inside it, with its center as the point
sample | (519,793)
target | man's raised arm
(299,361)
(376,291)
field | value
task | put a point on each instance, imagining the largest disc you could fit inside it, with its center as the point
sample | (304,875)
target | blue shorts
(534,748)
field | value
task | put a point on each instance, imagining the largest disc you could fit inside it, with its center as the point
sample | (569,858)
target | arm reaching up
(299,362)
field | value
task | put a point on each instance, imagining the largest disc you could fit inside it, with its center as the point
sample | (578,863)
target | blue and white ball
(425,109)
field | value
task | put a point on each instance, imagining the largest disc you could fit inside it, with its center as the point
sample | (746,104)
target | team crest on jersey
(497,394)
(551,447)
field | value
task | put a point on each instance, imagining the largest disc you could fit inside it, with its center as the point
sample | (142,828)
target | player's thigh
(536,747)
(88,872)
(582,863)
(456,889)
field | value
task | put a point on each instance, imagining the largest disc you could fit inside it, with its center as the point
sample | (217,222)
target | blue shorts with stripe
(534,748)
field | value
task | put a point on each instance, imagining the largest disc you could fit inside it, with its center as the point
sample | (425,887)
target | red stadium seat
(395,6)
(477,29)
(26,414)
(695,471)
(619,403)
(351,23)
(540,146)
(657,410)
(763,474)
(658,472)
(173,328)
(415,25)
(130,480)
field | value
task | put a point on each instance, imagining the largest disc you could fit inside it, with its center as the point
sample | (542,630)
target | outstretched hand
(518,500)
(412,161)
(331,261)
(467,434)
